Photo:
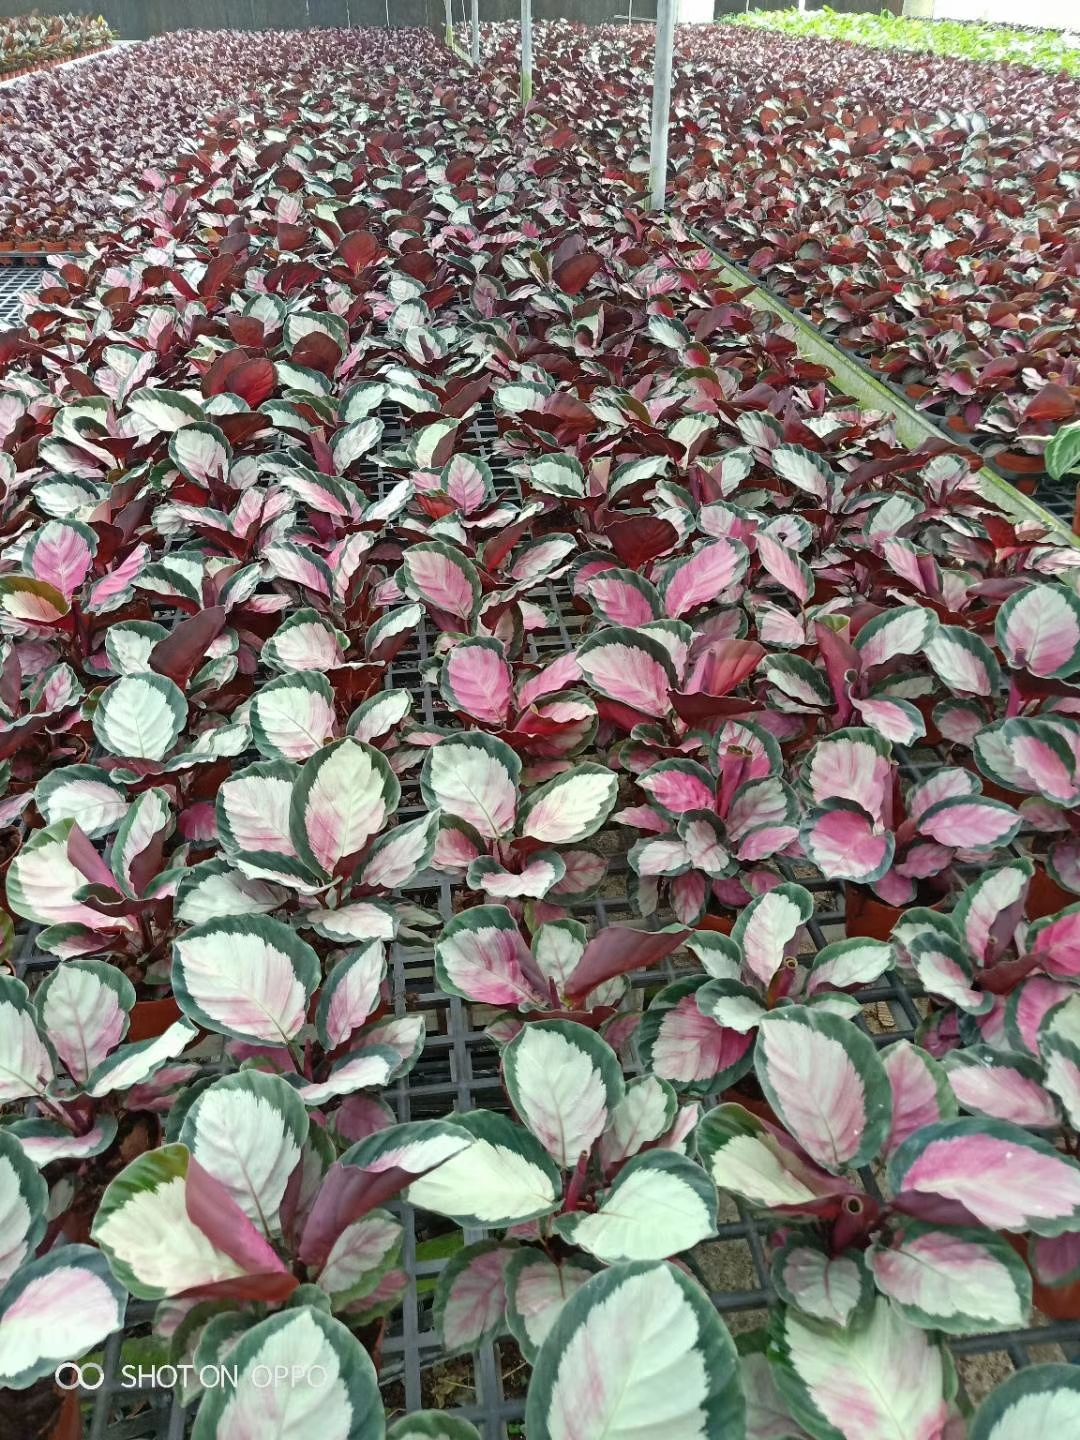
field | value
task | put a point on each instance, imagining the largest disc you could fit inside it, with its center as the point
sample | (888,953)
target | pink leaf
(703,578)
(476,678)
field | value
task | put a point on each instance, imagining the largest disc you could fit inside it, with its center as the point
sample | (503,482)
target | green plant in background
(1045,50)
(1063,452)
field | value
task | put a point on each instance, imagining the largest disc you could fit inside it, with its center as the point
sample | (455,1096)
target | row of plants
(75,144)
(244,477)
(1053,50)
(921,211)
(953,274)
(33,42)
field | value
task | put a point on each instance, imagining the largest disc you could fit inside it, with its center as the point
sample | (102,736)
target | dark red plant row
(923,211)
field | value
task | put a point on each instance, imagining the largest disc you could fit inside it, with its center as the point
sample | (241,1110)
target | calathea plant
(706,823)
(483,956)
(506,843)
(861,826)
(595,1174)
(1005,998)
(541,717)
(57,1301)
(70,1070)
(698,1032)
(222,1227)
(887,1211)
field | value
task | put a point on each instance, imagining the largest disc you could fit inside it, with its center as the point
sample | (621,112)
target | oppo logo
(70,1376)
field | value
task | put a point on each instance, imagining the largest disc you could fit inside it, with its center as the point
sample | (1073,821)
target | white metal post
(474,44)
(526,51)
(448,8)
(661,100)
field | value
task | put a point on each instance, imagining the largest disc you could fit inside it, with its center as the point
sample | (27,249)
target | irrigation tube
(661,101)
(913,427)
(526,51)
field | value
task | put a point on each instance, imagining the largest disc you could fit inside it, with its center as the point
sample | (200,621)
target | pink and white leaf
(844,843)
(679,785)
(885,1379)
(824,1079)
(901,631)
(537,1292)
(767,927)
(55,1309)
(474,778)
(1041,1400)
(971,823)
(704,577)
(476,679)
(470,1297)
(649,1321)
(1000,1086)
(482,956)
(962,1282)
(828,1288)
(633,669)
(443,578)
(851,765)
(921,1093)
(1038,630)
(621,597)
(1002,1176)
(563,1081)
(571,807)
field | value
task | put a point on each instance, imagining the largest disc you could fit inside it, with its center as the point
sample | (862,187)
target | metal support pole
(661,100)
(448,7)
(474,39)
(526,51)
